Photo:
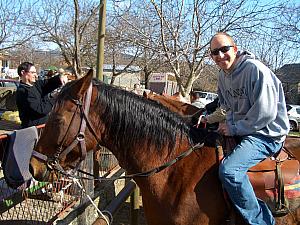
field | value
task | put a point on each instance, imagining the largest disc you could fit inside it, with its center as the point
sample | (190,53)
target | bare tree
(13,31)
(273,54)
(138,29)
(288,23)
(70,26)
(277,40)
(118,51)
(181,31)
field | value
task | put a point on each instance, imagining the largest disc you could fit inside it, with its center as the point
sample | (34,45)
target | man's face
(223,52)
(30,76)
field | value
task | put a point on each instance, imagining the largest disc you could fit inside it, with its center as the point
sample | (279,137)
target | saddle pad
(292,190)
(265,185)
(291,195)
(17,156)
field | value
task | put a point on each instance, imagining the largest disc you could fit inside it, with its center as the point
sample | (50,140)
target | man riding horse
(254,100)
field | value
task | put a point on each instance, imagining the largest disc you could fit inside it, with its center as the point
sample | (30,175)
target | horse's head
(63,143)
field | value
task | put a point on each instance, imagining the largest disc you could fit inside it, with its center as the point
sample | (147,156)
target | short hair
(224,34)
(50,73)
(195,94)
(24,66)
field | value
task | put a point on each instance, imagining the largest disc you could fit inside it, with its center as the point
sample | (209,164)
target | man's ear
(22,72)
(235,49)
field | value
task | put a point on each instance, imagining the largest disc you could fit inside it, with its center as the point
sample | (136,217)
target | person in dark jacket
(34,97)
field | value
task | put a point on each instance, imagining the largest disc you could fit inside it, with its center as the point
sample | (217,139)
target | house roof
(289,73)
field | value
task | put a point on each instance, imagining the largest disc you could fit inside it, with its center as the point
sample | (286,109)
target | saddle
(275,180)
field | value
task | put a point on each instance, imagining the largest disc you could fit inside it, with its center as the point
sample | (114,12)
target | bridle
(61,153)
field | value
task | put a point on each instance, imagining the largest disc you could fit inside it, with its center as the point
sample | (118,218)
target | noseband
(53,162)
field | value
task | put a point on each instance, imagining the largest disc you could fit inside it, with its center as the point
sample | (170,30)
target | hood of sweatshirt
(242,56)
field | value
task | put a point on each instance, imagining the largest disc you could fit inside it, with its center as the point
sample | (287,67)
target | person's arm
(219,115)
(48,85)
(40,105)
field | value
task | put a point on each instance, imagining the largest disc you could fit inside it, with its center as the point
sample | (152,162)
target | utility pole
(101,37)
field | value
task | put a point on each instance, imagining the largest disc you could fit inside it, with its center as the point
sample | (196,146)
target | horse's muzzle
(39,170)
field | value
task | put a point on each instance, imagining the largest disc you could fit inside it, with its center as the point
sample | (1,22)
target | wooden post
(101,37)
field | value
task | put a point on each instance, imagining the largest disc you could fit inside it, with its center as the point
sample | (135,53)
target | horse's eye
(58,120)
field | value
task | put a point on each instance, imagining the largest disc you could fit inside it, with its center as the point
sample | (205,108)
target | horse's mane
(131,120)
(134,120)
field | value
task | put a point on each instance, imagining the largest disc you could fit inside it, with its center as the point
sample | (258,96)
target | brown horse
(142,135)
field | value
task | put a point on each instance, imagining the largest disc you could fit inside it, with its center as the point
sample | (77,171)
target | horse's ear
(81,85)
(145,94)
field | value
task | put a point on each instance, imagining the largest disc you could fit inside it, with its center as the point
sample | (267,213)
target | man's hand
(63,79)
(223,129)
(54,93)
(203,119)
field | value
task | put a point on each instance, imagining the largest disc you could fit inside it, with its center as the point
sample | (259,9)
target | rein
(141,174)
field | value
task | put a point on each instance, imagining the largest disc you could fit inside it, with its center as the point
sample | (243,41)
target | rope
(76,181)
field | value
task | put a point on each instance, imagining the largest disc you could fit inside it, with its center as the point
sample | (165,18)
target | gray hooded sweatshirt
(254,99)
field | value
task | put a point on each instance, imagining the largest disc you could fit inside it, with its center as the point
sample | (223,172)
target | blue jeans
(233,175)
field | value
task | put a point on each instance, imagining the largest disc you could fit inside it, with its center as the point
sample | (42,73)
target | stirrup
(282,211)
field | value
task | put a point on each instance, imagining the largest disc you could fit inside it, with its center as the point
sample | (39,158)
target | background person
(137,89)
(61,71)
(254,101)
(50,74)
(196,100)
(33,97)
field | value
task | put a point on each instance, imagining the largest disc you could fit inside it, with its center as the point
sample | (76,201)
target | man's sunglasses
(222,49)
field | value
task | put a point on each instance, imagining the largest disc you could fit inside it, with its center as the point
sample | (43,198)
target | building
(4,64)
(163,83)
(289,75)
(126,79)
